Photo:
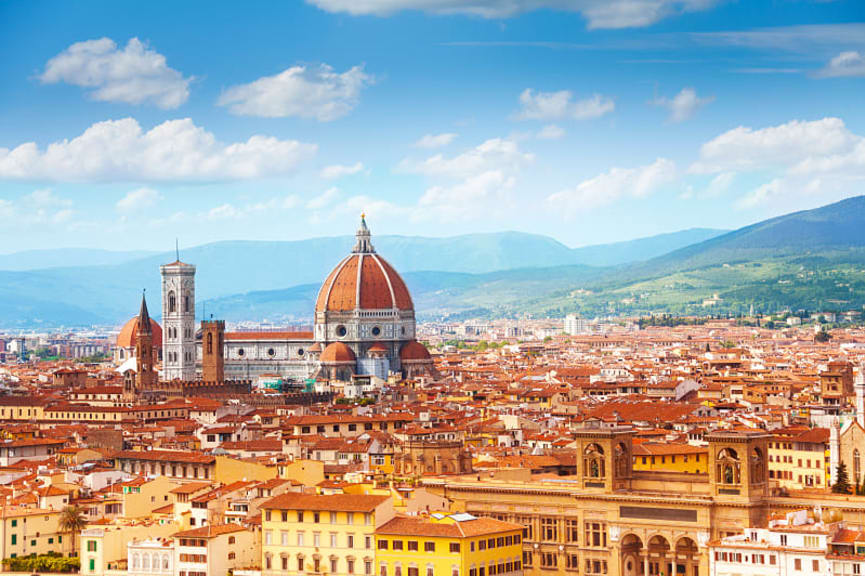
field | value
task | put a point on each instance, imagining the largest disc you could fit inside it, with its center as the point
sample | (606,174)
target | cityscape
(432,288)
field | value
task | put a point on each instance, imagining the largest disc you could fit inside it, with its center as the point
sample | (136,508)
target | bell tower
(604,459)
(178,320)
(145,376)
(738,464)
(213,351)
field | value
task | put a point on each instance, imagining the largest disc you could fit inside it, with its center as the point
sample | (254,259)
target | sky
(126,125)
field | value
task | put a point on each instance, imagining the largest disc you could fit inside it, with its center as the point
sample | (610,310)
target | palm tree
(72,522)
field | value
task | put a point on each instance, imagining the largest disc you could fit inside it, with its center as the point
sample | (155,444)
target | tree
(842,482)
(72,522)
(822,336)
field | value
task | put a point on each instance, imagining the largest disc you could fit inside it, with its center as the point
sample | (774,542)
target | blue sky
(125,125)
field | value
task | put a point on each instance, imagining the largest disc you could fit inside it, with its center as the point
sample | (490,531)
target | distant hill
(642,248)
(109,293)
(812,260)
(62,257)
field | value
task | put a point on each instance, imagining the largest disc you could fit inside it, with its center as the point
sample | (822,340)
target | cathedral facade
(364,324)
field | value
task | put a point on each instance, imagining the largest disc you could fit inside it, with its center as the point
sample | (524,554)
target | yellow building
(455,545)
(799,458)
(331,534)
(26,531)
(671,458)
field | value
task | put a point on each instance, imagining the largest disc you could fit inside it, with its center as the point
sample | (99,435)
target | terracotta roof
(166,456)
(210,531)
(413,350)
(336,353)
(333,502)
(415,526)
(234,336)
(129,332)
(363,281)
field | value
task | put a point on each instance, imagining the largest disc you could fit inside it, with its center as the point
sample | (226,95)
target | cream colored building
(104,548)
(333,534)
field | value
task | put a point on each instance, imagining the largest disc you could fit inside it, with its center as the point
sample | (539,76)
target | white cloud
(225,211)
(683,105)
(493,154)
(119,150)
(744,148)
(300,91)
(435,140)
(339,170)
(134,75)
(807,39)
(41,206)
(850,63)
(138,199)
(613,185)
(484,193)
(761,195)
(551,132)
(230,211)
(323,200)
(559,105)
(598,13)
(720,184)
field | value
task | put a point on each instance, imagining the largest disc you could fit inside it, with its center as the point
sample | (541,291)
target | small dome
(129,333)
(378,348)
(337,353)
(414,351)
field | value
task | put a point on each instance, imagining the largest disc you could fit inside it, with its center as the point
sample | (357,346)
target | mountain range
(810,259)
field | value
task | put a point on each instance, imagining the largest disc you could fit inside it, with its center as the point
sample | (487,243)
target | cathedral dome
(363,280)
(337,353)
(413,351)
(129,333)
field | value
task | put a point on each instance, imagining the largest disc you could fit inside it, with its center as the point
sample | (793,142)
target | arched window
(172,302)
(622,459)
(856,467)
(727,468)
(231,555)
(231,540)
(593,462)
(186,302)
(166,566)
(155,563)
(757,466)
(136,562)
(145,562)
(210,343)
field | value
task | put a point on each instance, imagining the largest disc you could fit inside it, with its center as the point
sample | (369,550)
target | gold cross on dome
(363,215)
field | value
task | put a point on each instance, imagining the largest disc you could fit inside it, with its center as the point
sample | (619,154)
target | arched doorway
(632,556)
(659,559)
(687,557)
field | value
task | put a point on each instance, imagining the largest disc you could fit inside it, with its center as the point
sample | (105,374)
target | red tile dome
(363,280)
(337,353)
(129,333)
(413,351)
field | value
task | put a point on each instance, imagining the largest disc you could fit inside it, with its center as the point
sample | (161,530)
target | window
(412,545)
(91,545)
(412,571)
(572,562)
(397,545)
(597,566)
(333,517)
(454,547)
(815,566)
(283,538)
(429,546)
(92,565)
(797,564)
(572,531)
(549,529)
(382,545)
(333,565)
(300,563)
(268,537)
(299,516)
(333,539)
(349,518)
(300,538)
(349,566)
(231,555)
(596,535)
(367,567)
(549,559)
(430,571)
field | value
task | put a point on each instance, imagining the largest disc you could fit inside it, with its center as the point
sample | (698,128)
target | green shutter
(92,564)
(14,539)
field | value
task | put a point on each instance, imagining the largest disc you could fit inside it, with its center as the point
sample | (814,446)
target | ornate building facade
(178,321)
(611,519)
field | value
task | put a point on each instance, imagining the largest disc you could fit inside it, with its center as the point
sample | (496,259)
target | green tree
(72,522)
(822,336)
(842,482)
